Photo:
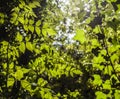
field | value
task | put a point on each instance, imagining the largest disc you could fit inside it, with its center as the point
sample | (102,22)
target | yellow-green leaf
(21,20)
(51,32)
(26,85)
(38,23)
(19,74)
(25,70)
(36,3)
(19,37)
(37,29)
(25,27)
(29,46)
(22,47)
(31,28)
(80,36)
(31,22)
(44,32)
(10,82)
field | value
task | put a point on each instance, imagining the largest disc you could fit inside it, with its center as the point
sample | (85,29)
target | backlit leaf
(31,22)
(19,74)
(10,82)
(51,32)
(37,29)
(22,47)
(29,46)
(19,37)
(38,23)
(80,36)
(31,28)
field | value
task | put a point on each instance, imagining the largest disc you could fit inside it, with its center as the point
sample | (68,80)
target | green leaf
(107,85)
(103,52)
(37,29)
(44,32)
(26,21)
(97,79)
(25,70)
(29,46)
(11,65)
(46,25)
(19,74)
(22,47)
(31,22)
(108,70)
(77,72)
(32,5)
(26,85)
(19,37)
(36,3)
(80,36)
(28,37)
(25,27)
(98,59)
(10,82)
(95,42)
(117,94)
(51,32)
(96,29)
(31,28)
(21,20)
(1,21)
(100,95)
(41,82)
(38,23)
(114,57)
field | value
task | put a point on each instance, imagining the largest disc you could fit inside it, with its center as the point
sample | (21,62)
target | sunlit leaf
(44,32)
(25,70)
(100,95)
(26,21)
(10,82)
(22,47)
(19,37)
(31,22)
(77,72)
(26,85)
(107,85)
(29,46)
(117,94)
(19,74)
(80,36)
(31,28)
(26,27)
(38,23)
(51,32)
(114,57)
(36,3)
(21,20)
(37,29)
(97,79)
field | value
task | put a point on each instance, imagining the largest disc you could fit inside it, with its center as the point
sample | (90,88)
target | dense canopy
(59,49)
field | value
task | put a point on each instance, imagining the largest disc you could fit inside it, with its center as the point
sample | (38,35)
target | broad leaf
(22,47)
(19,74)
(38,23)
(80,36)
(37,29)
(19,37)
(31,28)
(29,46)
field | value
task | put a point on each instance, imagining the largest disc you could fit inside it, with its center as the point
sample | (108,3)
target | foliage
(33,67)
